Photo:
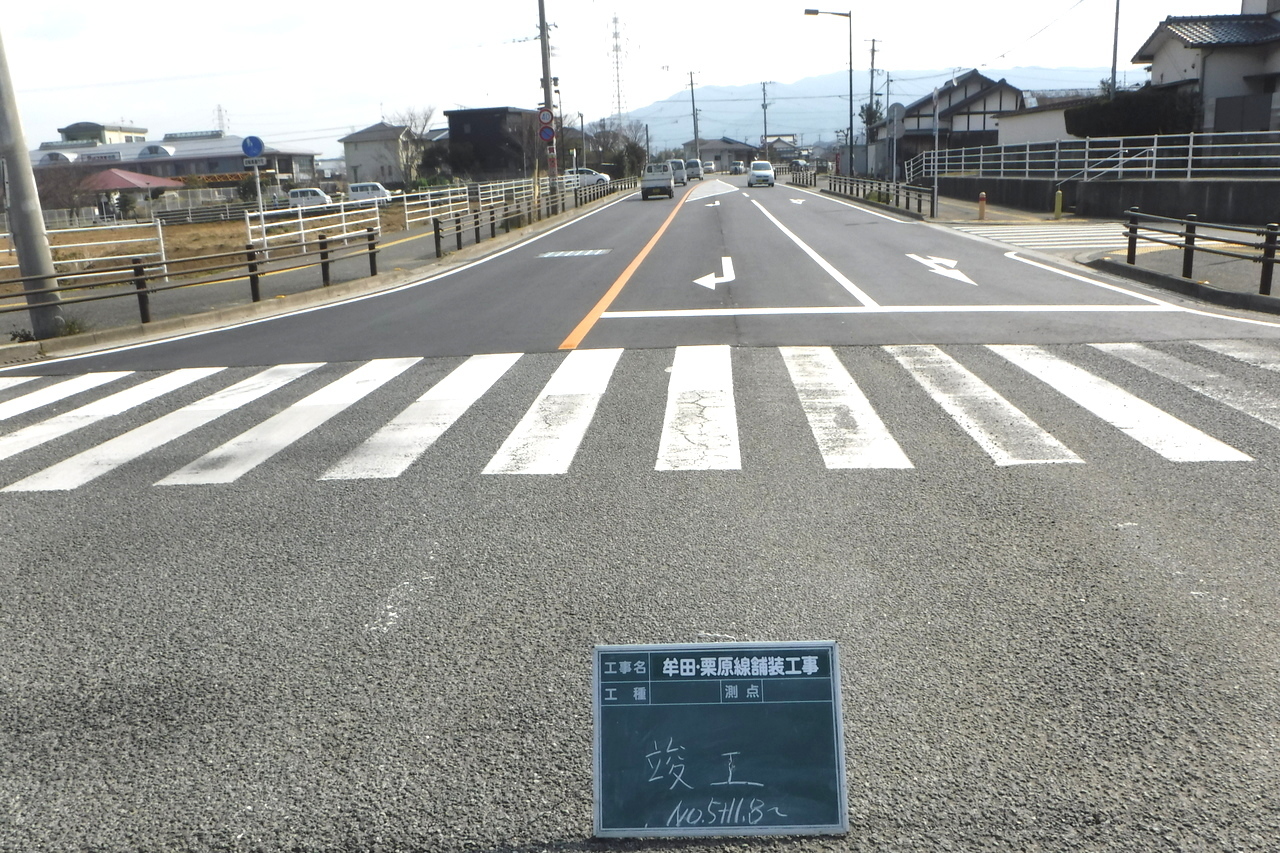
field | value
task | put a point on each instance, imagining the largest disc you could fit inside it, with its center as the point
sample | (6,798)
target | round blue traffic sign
(252,146)
(547,133)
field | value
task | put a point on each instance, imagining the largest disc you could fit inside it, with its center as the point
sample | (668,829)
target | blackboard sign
(719,739)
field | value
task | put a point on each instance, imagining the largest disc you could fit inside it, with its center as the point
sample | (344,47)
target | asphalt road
(350,604)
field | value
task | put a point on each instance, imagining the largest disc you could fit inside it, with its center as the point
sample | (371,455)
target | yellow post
(982,205)
(1057,205)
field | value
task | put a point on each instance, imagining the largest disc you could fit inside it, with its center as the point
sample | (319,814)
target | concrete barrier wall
(1018,193)
(1237,202)
(1240,202)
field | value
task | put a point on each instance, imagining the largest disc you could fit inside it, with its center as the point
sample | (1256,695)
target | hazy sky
(303,76)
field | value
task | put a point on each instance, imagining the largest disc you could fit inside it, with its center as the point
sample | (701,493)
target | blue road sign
(252,146)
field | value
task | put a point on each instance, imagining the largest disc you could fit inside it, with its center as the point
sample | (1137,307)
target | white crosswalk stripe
(247,451)
(840,393)
(401,442)
(547,437)
(1007,435)
(849,432)
(91,413)
(1171,438)
(105,457)
(700,428)
(1109,235)
(53,393)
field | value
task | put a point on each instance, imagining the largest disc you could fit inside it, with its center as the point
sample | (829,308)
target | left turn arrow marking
(710,280)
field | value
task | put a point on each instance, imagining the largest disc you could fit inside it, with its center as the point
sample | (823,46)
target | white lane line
(122,401)
(403,440)
(53,393)
(1255,353)
(849,432)
(548,436)
(1241,396)
(890,309)
(1000,428)
(7,382)
(242,454)
(1086,280)
(839,277)
(1160,431)
(700,426)
(93,463)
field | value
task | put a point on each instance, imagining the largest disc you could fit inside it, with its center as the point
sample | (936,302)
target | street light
(849,15)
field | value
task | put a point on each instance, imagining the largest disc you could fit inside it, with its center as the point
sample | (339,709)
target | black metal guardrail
(890,193)
(249,265)
(802,178)
(515,212)
(1265,251)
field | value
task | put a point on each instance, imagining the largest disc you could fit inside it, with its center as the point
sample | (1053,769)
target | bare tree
(413,141)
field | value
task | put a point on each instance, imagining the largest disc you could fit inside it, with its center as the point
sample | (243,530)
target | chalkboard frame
(822,711)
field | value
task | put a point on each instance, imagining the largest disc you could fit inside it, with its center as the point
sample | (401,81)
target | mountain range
(813,108)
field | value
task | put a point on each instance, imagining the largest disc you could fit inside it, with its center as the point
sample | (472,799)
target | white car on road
(761,174)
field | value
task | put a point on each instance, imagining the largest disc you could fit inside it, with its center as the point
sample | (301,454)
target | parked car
(737,168)
(587,177)
(761,174)
(369,190)
(694,168)
(678,174)
(708,168)
(307,197)
(657,179)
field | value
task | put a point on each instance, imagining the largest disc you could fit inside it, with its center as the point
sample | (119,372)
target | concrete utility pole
(26,219)
(552,166)
(697,147)
(764,107)
(871,102)
(1115,50)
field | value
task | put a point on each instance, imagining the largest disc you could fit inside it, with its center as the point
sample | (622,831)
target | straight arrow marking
(943,266)
(710,280)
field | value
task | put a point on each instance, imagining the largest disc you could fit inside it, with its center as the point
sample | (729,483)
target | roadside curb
(1186,287)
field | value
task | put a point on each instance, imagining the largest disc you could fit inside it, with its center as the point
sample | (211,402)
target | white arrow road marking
(943,266)
(797,201)
(715,203)
(710,280)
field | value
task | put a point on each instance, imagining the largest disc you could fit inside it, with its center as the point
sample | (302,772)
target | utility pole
(552,165)
(26,219)
(1115,50)
(764,106)
(697,147)
(871,102)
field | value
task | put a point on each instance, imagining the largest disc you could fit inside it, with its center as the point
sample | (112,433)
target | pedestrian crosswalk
(1102,236)
(840,396)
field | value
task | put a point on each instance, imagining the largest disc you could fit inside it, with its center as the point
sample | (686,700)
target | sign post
(719,739)
(253,147)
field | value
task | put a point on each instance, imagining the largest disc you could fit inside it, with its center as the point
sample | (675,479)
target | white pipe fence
(76,252)
(1169,156)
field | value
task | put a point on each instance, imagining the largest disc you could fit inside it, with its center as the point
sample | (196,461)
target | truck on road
(657,179)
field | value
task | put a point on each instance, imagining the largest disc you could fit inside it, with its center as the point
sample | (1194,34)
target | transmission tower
(619,106)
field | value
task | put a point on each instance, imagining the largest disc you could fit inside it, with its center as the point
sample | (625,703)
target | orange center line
(580,332)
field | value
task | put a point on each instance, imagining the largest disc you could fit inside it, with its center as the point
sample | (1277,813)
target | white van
(368,190)
(307,197)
